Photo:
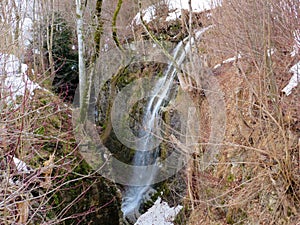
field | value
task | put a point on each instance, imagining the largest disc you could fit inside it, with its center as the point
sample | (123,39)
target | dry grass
(256,179)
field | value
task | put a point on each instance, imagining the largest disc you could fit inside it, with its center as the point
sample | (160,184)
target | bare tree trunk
(50,37)
(86,75)
(17,21)
(81,61)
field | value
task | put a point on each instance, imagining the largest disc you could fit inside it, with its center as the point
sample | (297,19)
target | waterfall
(135,195)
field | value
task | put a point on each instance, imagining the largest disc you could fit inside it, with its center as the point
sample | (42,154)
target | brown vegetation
(256,179)
(255,176)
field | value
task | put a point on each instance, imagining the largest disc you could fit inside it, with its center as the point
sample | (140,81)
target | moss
(99,29)
(40,130)
(182,216)
(165,189)
(230,177)
(109,91)
(229,219)
(107,95)
(160,74)
(122,80)
(96,191)
(164,147)
(235,216)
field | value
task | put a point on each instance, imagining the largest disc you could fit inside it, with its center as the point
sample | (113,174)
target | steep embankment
(254,60)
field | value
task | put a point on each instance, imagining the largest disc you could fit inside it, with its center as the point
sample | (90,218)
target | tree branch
(114,27)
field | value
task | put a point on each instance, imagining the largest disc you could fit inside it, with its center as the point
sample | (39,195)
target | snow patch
(27,31)
(21,165)
(159,214)
(271,51)
(232,59)
(13,76)
(295,79)
(175,8)
(148,15)
(21,16)
(296,46)
(197,6)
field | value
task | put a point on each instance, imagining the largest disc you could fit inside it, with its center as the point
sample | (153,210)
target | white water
(136,195)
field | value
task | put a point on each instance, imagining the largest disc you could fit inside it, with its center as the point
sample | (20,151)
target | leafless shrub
(256,178)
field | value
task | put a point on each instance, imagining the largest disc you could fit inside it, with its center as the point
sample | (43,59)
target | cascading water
(135,195)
